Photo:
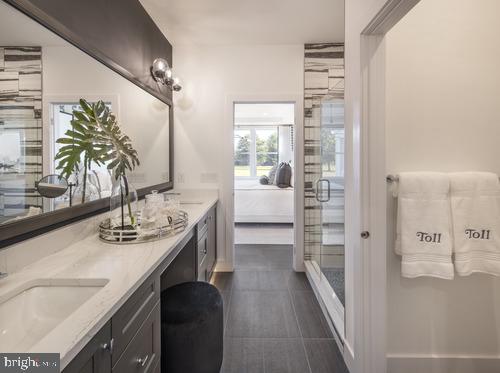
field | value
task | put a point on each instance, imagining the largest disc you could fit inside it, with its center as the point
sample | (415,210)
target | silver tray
(139,235)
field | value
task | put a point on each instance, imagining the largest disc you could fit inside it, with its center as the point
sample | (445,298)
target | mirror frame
(20,230)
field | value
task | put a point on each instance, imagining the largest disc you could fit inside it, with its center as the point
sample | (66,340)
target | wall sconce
(162,73)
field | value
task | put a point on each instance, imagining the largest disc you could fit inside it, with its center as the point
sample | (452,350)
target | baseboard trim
(398,363)
(223,267)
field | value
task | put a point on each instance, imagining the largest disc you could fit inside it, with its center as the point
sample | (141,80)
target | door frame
(226,264)
(368,265)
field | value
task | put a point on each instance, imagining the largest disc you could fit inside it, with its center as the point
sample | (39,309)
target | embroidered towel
(424,236)
(475,205)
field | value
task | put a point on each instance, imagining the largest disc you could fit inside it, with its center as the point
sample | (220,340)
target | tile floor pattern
(272,320)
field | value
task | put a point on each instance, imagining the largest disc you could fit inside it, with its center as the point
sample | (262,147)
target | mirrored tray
(139,235)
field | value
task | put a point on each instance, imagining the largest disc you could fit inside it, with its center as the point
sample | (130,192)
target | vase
(85,189)
(123,205)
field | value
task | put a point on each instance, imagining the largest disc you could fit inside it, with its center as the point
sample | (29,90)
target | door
(329,193)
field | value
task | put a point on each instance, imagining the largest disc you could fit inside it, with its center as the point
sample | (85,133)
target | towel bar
(394,178)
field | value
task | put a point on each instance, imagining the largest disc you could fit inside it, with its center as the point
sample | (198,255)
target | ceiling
(248,21)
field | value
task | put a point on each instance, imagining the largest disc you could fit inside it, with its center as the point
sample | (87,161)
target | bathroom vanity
(116,326)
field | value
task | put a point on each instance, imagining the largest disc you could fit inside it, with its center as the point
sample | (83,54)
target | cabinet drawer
(143,353)
(212,242)
(129,318)
(202,248)
(202,226)
(202,257)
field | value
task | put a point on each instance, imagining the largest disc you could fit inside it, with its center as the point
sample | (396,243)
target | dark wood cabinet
(131,341)
(142,354)
(207,245)
(127,321)
(95,356)
(212,242)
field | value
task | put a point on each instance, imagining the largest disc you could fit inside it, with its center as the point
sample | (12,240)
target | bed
(256,203)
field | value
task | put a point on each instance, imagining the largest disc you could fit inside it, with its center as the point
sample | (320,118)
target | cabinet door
(212,242)
(203,257)
(95,356)
(143,352)
(129,318)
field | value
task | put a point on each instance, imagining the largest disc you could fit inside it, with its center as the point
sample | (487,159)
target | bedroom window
(263,137)
(255,150)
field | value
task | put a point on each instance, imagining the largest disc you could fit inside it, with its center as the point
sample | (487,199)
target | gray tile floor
(272,320)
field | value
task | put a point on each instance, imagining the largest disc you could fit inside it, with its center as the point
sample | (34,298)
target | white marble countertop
(125,266)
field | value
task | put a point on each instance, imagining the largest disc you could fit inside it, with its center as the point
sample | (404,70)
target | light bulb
(176,84)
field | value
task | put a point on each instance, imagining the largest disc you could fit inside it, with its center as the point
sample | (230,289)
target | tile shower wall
(20,129)
(324,76)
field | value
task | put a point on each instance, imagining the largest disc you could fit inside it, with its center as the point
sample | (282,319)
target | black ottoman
(192,328)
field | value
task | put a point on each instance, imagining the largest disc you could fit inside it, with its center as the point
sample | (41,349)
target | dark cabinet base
(131,340)
(207,245)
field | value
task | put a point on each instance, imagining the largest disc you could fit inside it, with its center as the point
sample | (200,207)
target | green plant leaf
(96,136)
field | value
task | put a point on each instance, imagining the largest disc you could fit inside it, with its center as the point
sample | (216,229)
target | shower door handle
(318,197)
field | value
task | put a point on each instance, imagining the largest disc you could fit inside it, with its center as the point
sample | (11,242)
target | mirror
(42,79)
(52,186)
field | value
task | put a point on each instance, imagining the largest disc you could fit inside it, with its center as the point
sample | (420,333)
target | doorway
(264,194)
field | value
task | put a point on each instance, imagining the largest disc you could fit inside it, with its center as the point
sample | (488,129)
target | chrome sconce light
(162,73)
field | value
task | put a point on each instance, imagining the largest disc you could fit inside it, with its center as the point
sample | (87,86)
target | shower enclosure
(325,252)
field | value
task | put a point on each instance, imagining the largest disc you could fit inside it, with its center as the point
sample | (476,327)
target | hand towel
(424,225)
(475,205)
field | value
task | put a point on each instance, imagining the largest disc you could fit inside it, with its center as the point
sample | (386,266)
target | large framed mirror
(42,80)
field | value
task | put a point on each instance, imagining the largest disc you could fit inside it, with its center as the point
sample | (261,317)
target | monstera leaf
(78,142)
(96,137)
(116,146)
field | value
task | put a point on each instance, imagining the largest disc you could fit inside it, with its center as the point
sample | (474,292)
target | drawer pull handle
(142,361)
(108,346)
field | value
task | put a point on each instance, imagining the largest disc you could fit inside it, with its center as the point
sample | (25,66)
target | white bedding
(256,203)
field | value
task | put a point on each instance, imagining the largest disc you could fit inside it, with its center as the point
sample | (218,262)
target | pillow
(264,180)
(272,174)
(283,175)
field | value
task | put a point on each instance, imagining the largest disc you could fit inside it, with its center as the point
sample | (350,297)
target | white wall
(443,114)
(211,75)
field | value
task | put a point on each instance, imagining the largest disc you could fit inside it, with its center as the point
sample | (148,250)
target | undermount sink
(31,311)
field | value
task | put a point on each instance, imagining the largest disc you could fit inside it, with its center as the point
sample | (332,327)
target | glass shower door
(330,195)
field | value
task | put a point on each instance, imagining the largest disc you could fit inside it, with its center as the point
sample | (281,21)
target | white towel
(475,203)
(424,237)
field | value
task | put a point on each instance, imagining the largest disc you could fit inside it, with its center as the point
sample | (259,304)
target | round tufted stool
(192,328)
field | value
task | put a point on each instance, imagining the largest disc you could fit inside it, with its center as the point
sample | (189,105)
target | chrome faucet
(3,275)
